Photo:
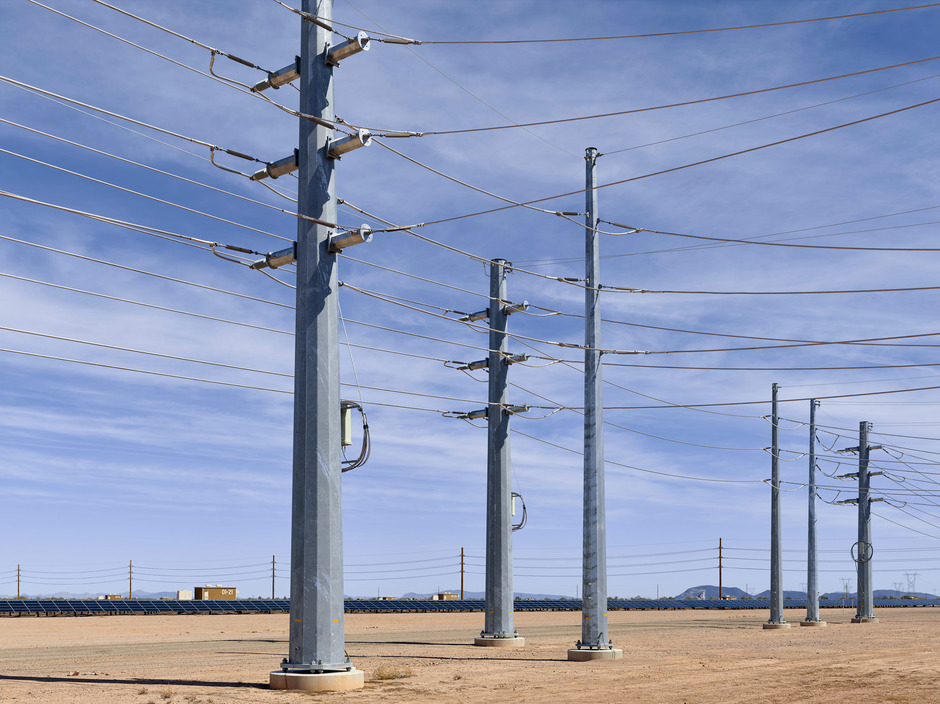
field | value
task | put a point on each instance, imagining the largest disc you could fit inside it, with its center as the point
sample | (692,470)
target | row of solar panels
(18,607)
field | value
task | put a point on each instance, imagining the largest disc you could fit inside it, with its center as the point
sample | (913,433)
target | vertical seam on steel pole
(499,594)
(594,569)
(812,568)
(317,638)
(776,556)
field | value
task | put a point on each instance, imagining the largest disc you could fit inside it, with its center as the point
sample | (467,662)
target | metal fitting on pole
(474,366)
(274,169)
(359,43)
(276,259)
(336,149)
(341,240)
(516,308)
(473,317)
(279,78)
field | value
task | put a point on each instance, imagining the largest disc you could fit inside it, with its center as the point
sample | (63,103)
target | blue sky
(191,480)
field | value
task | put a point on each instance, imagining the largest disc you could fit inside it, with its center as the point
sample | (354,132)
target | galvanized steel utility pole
(498,621)
(720,576)
(776,558)
(595,642)
(812,569)
(317,637)
(864,550)
(316,659)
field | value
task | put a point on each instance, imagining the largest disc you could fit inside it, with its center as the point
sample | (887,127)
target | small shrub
(166,694)
(391,672)
(142,690)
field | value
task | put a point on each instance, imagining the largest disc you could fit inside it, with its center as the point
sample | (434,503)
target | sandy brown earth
(671,656)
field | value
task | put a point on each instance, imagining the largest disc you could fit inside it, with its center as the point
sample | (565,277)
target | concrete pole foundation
(864,619)
(585,654)
(318,681)
(494,642)
(773,626)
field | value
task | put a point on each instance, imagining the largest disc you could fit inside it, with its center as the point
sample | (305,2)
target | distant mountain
(787,594)
(480,595)
(880,594)
(710,591)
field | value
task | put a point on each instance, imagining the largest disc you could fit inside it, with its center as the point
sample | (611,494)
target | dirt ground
(700,657)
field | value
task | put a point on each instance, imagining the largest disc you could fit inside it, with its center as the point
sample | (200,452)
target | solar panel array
(102,607)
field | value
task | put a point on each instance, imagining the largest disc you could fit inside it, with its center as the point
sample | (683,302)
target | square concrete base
(775,626)
(317,682)
(491,642)
(584,654)
(812,623)
(865,619)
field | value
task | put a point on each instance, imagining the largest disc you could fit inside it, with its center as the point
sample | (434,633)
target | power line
(543,262)
(212,148)
(208,48)
(397,39)
(147,273)
(689,165)
(667,106)
(806,246)
(769,117)
(633,430)
(409,230)
(786,400)
(145,352)
(678,33)
(143,371)
(640,469)
(145,305)
(415,335)
(460,85)
(145,229)
(231,83)
(458,181)
(478,328)
(143,195)
(416,277)
(143,48)
(913,530)
(149,168)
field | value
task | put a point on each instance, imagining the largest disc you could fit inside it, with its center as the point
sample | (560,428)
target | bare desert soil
(671,656)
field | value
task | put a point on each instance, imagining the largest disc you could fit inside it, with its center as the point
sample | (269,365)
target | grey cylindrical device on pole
(812,568)
(863,548)
(316,658)
(498,621)
(595,641)
(776,554)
